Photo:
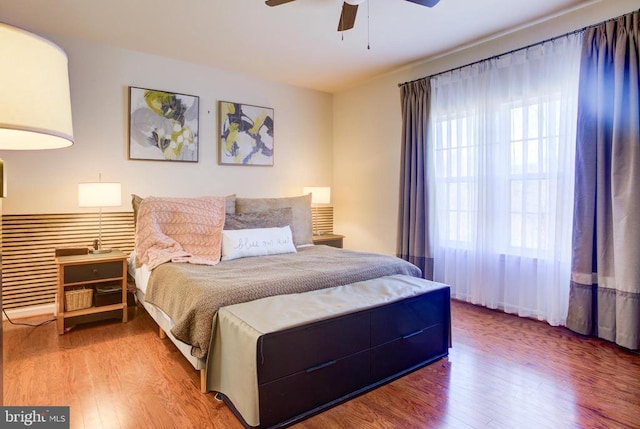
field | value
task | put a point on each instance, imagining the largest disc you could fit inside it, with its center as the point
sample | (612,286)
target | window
(534,134)
(456,159)
(528,146)
(502,139)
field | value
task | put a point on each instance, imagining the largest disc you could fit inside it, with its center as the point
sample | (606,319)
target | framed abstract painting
(246,134)
(163,126)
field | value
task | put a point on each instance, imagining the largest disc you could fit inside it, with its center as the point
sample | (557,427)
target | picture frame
(246,134)
(163,125)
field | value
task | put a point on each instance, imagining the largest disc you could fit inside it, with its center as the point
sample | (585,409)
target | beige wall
(367,130)
(46,182)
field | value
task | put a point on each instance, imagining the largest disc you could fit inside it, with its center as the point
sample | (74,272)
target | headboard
(29,243)
(28,246)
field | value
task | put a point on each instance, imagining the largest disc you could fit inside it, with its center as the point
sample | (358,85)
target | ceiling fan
(350,9)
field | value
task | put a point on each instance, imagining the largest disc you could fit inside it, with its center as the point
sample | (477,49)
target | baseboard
(36,310)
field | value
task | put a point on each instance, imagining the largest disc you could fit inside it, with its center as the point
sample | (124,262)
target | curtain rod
(518,49)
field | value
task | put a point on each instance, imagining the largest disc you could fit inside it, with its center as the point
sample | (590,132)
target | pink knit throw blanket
(179,230)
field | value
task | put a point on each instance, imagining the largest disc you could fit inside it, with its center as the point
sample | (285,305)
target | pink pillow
(180,230)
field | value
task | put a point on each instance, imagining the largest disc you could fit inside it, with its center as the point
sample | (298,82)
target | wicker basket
(78,299)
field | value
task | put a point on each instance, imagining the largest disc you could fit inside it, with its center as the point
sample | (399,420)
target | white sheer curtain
(503,145)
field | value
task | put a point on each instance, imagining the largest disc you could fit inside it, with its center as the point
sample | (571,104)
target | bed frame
(164,331)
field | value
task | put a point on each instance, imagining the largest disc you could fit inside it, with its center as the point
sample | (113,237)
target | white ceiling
(295,43)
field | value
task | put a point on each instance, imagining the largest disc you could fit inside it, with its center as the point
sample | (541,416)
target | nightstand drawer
(91,272)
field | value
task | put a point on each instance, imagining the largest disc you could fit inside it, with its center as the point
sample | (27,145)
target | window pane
(463,132)
(453,226)
(453,196)
(463,189)
(443,171)
(465,227)
(545,198)
(516,123)
(544,156)
(531,197)
(516,197)
(531,232)
(454,133)
(532,157)
(555,106)
(543,233)
(471,161)
(517,156)
(464,162)
(453,172)
(532,125)
(553,152)
(516,230)
(444,138)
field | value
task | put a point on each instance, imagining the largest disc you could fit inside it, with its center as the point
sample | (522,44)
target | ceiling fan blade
(276,2)
(428,3)
(348,16)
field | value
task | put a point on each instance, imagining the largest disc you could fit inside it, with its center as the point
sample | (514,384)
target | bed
(284,332)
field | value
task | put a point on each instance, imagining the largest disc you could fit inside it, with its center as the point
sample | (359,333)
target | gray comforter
(192,294)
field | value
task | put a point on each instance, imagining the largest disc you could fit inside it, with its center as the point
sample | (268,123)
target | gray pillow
(275,218)
(301,224)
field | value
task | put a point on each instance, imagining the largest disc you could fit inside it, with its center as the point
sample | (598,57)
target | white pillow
(241,243)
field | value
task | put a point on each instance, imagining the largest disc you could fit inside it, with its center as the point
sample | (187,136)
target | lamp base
(99,251)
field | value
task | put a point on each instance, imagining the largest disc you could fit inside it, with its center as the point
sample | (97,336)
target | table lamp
(99,194)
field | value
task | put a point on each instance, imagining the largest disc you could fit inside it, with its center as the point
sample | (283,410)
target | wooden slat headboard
(323,219)
(29,242)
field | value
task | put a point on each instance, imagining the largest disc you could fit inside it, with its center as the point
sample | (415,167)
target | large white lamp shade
(35,104)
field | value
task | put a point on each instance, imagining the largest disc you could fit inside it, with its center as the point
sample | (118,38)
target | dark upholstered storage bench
(309,368)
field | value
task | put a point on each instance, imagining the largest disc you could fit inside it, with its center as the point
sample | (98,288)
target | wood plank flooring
(502,372)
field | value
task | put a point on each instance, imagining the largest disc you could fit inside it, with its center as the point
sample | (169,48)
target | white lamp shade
(35,107)
(319,194)
(99,194)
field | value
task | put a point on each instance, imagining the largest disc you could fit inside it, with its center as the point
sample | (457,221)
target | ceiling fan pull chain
(368,25)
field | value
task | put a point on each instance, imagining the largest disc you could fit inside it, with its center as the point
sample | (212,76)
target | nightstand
(81,275)
(333,240)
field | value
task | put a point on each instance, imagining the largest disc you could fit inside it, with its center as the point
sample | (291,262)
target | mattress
(192,294)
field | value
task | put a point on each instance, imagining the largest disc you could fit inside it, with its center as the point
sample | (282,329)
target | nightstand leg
(124,292)
(60,324)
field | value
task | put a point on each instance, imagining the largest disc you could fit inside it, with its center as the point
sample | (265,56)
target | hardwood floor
(502,372)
